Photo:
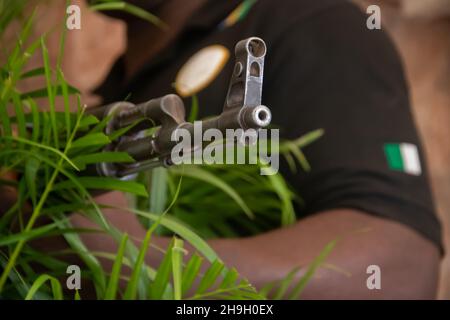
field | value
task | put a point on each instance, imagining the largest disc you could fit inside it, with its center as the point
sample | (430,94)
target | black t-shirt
(324,69)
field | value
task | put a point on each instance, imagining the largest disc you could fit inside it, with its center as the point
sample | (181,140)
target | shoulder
(273,17)
(311,33)
(320,29)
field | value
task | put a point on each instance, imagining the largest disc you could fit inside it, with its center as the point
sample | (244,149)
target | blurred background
(419,28)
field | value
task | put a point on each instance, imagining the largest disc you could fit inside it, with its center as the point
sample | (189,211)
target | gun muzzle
(242,110)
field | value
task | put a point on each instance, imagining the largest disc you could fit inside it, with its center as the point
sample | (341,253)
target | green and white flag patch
(403,157)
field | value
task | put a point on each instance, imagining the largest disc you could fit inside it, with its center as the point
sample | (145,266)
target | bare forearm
(409,263)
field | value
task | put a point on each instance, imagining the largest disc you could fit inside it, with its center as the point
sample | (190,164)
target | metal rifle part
(242,110)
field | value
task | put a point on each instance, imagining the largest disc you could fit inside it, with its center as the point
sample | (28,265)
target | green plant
(48,149)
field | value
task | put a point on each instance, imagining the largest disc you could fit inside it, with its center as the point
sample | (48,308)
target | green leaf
(36,120)
(178,253)
(161,281)
(181,229)
(131,290)
(49,91)
(65,94)
(7,240)
(194,109)
(120,132)
(309,138)
(60,90)
(44,231)
(62,39)
(158,190)
(298,289)
(191,272)
(10,11)
(230,279)
(42,146)
(285,284)
(89,120)
(22,286)
(129,8)
(100,125)
(20,117)
(299,155)
(31,169)
(92,263)
(210,277)
(203,175)
(105,183)
(109,157)
(24,34)
(33,72)
(111,290)
(279,186)
(93,139)
(267,288)
(5,122)
(56,287)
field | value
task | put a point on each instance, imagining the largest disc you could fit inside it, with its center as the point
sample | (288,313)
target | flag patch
(403,157)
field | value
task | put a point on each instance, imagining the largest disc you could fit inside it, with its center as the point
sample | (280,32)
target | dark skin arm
(409,263)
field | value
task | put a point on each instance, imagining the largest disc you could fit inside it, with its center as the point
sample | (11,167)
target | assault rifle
(242,110)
